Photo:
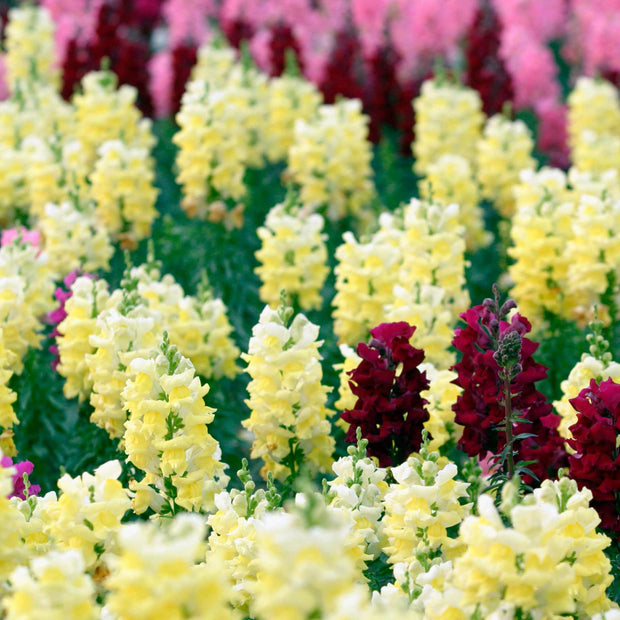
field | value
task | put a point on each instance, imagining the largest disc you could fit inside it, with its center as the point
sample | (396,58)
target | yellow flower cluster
(346,398)
(213,149)
(156,575)
(565,243)
(88,298)
(593,253)
(122,187)
(287,398)
(424,501)
(202,332)
(88,512)
(441,395)
(330,158)
(504,150)
(292,256)
(214,65)
(289,99)
(54,587)
(74,239)
(167,437)
(365,277)
(7,398)
(548,562)
(104,112)
(450,179)
(305,566)
(449,120)
(541,229)
(12,550)
(29,44)
(594,125)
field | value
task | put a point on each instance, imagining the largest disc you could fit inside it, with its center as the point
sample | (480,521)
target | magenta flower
(21,468)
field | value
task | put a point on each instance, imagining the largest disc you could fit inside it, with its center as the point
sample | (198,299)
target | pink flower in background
(4,89)
(531,66)
(21,468)
(543,21)
(260,47)
(370,17)
(33,237)
(161,77)
(188,21)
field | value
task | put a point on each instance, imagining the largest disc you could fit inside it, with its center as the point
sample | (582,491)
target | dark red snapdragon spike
(283,39)
(480,408)
(596,461)
(340,73)
(184,58)
(389,410)
(485,71)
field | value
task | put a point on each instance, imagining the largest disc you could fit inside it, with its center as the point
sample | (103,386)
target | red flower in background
(596,461)
(389,410)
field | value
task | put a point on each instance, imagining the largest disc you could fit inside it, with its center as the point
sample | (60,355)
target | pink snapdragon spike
(21,468)
(161,80)
(188,21)
(370,18)
(544,21)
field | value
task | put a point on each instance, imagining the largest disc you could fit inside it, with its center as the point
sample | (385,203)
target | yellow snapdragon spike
(287,398)
(549,561)
(123,190)
(166,434)
(54,586)
(330,159)
(450,180)
(303,568)
(74,239)
(504,150)
(88,298)
(449,121)
(117,340)
(156,574)
(292,256)
(87,514)
(30,47)
(103,113)
(289,99)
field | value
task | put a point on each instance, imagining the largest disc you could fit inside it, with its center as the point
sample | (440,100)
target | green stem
(509,435)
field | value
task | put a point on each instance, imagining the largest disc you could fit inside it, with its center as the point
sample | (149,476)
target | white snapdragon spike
(54,586)
(330,160)
(167,437)
(233,535)
(73,239)
(548,561)
(305,561)
(599,185)
(504,150)
(162,564)
(449,120)
(287,398)
(88,512)
(292,256)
